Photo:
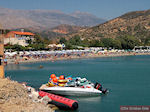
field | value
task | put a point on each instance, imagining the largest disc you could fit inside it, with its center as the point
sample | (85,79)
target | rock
(34,95)
(30,89)
(45,100)
(2,101)
(15,98)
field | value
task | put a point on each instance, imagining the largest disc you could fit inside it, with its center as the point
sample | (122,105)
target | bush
(16,47)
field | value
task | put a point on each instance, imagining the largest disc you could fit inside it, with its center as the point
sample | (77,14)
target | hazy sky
(107,9)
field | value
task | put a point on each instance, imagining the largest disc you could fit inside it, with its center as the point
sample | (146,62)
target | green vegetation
(124,41)
(128,42)
(62,40)
(38,44)
(96,43)
(15,47)
(121,42)
(147,41)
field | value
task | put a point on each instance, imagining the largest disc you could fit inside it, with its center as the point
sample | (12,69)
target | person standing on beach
(5,61)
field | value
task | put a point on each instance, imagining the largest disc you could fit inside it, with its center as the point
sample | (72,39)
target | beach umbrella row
(20,53)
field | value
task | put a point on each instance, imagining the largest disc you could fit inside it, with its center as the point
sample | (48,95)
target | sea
(127,78)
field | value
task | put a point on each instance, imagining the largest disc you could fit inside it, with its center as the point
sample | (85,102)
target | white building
(17,37)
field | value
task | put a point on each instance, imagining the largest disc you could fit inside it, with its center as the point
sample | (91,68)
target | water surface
(127,78)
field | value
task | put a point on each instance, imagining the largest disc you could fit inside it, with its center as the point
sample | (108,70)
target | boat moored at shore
(73,87)
(72,91)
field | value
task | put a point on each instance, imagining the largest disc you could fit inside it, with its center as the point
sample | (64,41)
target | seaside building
(18,37)
(141,49)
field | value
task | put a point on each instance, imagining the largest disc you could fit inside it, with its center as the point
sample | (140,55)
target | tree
(46,41)
(96,43)
(37,46)
(68,45)
(15,47)
(85,43)
(107,42)
(147,41)
(111,42)
(116,44)
(29,41)
(62,40)
(128,42)
(38,39)
(75,40)
(39,43)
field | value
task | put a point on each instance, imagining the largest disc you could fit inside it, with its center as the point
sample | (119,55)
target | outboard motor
(95,84)
(99,87)
(104,91)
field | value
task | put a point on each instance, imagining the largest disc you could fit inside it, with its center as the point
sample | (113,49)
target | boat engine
(99,87)
(104,91)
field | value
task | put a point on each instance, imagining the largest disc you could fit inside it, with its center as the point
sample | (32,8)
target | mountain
(135,23)
(86,19)
(44,19)
(52,33)
(67,29)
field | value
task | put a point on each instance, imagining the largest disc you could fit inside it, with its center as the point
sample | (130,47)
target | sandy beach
(83,56)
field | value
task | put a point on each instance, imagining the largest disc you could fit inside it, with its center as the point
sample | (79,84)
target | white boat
(71,91)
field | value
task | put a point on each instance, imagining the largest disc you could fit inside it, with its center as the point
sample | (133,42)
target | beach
(51,58)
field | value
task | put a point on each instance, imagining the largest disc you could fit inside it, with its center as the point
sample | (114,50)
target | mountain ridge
(13,19)
(131,23)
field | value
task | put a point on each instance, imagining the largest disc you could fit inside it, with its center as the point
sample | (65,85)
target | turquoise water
(127,78)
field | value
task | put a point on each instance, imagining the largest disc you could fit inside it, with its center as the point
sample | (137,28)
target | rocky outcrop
(14,98)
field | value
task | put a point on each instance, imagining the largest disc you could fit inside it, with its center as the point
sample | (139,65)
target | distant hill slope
(67,29)
(58,31)
(43,19)
(133,23)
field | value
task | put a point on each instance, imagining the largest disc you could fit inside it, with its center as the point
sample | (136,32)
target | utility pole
(1,54)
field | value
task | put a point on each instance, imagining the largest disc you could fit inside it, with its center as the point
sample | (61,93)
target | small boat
(72,86)
(72,91)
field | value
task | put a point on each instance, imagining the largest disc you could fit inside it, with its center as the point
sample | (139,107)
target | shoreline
(77,57)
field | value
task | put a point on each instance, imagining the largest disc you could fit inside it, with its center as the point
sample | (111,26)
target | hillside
(58,31)
(44,19)
(135,23)
(67,29)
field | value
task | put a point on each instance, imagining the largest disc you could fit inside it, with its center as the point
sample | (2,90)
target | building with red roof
(18,37)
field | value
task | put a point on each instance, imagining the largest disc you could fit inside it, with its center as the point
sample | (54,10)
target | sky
(107,9)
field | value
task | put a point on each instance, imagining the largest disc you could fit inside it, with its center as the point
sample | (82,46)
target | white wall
(15,41)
